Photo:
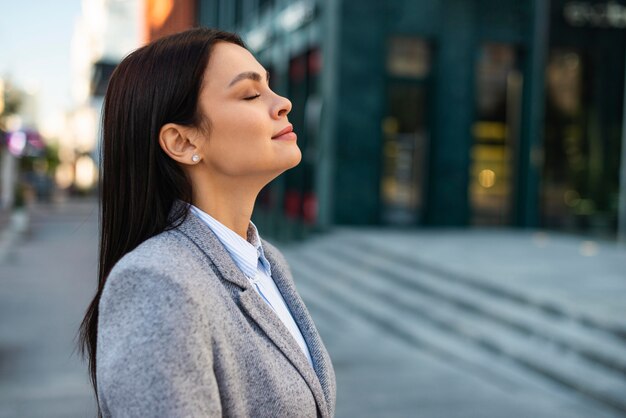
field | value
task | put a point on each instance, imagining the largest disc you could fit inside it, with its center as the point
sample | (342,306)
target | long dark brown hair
(156,84)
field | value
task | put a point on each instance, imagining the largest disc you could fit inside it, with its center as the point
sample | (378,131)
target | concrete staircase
(491,330)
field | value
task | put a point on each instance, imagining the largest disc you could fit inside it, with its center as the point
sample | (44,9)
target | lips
(289,128)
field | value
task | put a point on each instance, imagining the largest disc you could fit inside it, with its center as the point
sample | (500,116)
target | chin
(296,159)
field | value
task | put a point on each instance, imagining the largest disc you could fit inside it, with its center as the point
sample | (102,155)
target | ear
(177,142)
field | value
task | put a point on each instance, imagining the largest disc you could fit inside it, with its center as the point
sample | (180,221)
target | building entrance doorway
(495,134)
(405,132)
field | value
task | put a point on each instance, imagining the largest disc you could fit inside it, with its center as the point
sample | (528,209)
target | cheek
(243,123)
(240,141)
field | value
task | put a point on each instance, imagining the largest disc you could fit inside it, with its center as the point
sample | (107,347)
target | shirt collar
(245,253)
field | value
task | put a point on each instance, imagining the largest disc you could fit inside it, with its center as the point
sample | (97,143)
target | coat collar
(318,379)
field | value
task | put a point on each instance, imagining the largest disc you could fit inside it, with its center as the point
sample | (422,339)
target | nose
(282,107)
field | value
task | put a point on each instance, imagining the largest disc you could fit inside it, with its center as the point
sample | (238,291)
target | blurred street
(419,323)
(47,278)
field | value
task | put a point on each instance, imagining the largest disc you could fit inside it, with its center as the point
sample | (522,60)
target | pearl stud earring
(195,158)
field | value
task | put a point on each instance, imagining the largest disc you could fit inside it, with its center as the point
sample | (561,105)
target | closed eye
(252,97)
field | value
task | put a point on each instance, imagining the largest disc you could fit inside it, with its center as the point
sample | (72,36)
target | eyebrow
(250,75)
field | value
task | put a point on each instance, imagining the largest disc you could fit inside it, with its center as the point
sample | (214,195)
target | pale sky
(35,38)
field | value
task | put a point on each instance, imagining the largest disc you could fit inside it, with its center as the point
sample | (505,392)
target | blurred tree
(12,98)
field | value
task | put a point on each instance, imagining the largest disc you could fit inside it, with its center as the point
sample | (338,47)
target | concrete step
(338,294)
(405,248)
(497,336)
(594,344)
(447,332)
(382,376)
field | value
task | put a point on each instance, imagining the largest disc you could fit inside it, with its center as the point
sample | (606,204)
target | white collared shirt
(250,258)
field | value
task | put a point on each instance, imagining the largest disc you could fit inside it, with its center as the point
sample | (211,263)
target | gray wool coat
(182,333)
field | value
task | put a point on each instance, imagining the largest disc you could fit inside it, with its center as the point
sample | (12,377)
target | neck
(231,204)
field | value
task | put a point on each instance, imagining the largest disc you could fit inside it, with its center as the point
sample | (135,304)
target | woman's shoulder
(164,252)
(163,261)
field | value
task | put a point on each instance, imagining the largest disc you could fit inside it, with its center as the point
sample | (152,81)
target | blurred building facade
(441,113)
(104,33)
(163,17)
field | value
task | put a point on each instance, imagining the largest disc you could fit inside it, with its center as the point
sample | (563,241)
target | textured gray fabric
(181,333)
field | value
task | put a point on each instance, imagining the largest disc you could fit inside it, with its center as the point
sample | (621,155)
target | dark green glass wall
(454,29)
(359,112)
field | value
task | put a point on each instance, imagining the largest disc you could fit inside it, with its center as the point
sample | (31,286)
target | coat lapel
(258,310)
(276,331)
(284,281)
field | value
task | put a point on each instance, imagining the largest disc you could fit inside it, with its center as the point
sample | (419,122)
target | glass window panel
(408,57)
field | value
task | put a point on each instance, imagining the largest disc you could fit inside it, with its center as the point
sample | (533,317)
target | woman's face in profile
(245,114)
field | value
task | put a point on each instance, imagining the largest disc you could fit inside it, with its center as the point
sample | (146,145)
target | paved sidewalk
(46,281)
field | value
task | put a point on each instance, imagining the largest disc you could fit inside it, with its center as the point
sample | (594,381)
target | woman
(195,314)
